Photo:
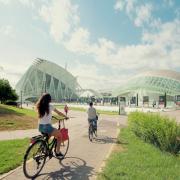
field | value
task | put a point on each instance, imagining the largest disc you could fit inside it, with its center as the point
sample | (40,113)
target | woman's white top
(46,119)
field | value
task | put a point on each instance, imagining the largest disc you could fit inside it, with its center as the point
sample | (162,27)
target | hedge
(161,131)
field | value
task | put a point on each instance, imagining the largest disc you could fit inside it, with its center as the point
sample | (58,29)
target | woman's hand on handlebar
(66,118)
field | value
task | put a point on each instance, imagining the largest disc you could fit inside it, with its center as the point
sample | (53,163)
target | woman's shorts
(46,128)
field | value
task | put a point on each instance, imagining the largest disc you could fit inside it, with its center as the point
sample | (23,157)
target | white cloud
(138,13)
(5,2)
(62,16)
(130,6)
(119,5)
(29,3)
(89,77)
(159,50)
(11,72)
(79,41)
(168,35)
(143,14)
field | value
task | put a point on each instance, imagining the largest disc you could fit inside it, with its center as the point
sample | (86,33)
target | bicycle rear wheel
(64,146)
(34,159)
(90,132)
(95,132)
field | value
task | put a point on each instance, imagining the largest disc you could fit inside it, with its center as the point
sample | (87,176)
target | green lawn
(13,118)
(11,154)
(84,110)
(138,160)
(5,109)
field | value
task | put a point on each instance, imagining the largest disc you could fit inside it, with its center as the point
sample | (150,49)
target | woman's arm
(59,113)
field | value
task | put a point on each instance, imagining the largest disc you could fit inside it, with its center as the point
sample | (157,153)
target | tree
(6,91)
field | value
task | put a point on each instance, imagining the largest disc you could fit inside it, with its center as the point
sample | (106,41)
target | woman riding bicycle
(45,109)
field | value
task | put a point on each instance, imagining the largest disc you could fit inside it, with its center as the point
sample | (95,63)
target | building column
(137,99)
(165,100)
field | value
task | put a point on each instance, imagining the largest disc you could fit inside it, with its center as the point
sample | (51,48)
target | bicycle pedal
(50,155)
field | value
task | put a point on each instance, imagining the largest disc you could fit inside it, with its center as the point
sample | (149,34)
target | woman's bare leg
(56,133)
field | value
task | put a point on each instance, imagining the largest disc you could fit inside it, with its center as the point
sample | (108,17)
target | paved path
(18,134)
(172,114)
(84,158)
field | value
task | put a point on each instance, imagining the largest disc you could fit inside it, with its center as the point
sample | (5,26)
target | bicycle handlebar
(64,118)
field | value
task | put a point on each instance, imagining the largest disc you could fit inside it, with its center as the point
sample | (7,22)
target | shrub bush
(11,103)
(161,131)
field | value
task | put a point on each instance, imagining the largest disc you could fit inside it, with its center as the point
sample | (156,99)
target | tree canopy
(7,92)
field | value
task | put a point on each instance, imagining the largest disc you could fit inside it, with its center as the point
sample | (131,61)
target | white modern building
(44,76)
(160,88)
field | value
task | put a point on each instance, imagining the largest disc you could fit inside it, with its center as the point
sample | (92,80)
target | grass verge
(11,154)
(12,118)
(140,160)
(84,110)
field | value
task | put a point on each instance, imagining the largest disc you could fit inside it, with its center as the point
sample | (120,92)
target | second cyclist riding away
(92,120)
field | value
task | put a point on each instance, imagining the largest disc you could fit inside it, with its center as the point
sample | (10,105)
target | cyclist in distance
(92,115)
(45,109)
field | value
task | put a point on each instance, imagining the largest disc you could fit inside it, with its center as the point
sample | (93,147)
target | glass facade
(152,87)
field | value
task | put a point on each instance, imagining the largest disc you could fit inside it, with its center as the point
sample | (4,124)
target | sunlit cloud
(61,16)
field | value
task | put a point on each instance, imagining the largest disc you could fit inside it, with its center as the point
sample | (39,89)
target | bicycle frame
(44,149)
(50,145)
(46,138)
(92,125)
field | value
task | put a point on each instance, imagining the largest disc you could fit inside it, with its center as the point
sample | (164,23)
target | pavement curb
(103,164)
(10,172)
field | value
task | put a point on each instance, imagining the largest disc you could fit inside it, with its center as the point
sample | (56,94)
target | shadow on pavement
(104,140)
(71,168)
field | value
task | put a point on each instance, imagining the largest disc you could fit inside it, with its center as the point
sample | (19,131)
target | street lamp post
(119,104)
(165,100)
(21,99)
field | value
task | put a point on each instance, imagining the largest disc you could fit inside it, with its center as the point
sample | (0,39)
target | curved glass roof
(45,76)
(162,81)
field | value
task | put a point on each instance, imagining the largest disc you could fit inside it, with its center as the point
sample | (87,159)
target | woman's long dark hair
(43,104)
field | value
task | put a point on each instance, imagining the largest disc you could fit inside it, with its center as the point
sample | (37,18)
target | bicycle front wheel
(34,159)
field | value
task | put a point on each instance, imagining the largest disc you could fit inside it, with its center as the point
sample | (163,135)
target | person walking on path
(92,115)
(66,109)
(45,109)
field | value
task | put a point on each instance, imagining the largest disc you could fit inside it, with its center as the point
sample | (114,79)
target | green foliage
(6,91)
(158,130)
(138,160)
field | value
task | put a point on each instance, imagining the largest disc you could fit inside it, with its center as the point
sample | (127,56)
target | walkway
(84,158)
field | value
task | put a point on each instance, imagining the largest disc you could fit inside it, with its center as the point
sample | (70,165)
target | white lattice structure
(152,84)
(44,76)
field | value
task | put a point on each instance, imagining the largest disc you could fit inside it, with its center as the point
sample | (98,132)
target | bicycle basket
(64,134)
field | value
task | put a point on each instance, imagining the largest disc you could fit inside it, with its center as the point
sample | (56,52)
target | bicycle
(40,148)
(92,129)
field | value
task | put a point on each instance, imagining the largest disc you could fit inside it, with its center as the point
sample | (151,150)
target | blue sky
(102,42)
